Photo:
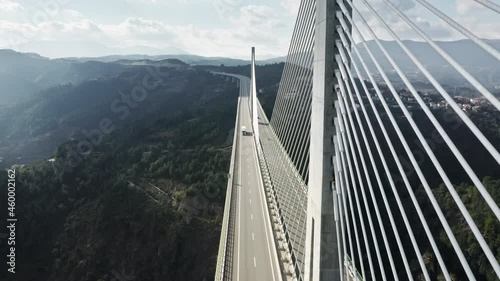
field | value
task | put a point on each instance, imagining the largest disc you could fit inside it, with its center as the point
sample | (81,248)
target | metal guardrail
(297,273)
(221,272)
(271,194)
(352,272)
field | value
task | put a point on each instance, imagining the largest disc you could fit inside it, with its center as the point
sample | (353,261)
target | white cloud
(267,27)
(157,1)
(254,25)
(244,26)
(257,17)
(139,31)
(404,5)
(433,26)
(291,6)
(7,5)
(464,7)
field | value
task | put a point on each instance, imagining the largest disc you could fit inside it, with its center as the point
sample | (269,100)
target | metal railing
(273,193)
(222,272)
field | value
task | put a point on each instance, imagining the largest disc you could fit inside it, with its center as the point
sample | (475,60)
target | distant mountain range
(484,67)
(474,59)
(23,74)
(90,49)
(189,59)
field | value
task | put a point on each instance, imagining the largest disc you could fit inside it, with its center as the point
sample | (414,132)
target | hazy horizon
(212,28)
(183,53)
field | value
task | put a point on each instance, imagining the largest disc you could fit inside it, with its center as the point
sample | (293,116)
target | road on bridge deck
(255,257)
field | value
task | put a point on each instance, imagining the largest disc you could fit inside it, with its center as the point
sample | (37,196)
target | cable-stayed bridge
(340,182)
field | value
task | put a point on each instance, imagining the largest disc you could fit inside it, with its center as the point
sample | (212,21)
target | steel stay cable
(300,125)
(372,161)
(304,95)
(492,51)
(348,123)
(293,86)
(353,182)
(304,168)
(489,5)
(297,59)
(487,94)
(437,164)
(302,90)
(309,28)
(281,145)
(344,188)
(306,133)
(425,184)
(487,197)
(339,211)
(293,45)
(395,156)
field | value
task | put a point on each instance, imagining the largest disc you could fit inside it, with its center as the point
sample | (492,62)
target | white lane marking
(253,236)
(254,262)
(249,191)
(250,201)
(251,216)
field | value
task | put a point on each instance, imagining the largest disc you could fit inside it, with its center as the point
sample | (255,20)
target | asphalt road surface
(255,257)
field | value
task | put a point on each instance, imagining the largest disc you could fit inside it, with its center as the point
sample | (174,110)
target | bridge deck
(255,256)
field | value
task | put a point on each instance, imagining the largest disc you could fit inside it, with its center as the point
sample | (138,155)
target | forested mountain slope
(143,200)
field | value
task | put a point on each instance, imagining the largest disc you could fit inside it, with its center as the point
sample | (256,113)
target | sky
(227,28)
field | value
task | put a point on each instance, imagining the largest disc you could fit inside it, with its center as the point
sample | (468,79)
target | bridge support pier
(322,250)
(253,93)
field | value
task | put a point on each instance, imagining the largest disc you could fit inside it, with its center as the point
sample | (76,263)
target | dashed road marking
(253,236)
(251,216)
(254,262)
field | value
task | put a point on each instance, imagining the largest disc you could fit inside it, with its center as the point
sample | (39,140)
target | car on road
(245,132)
